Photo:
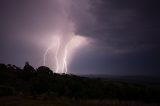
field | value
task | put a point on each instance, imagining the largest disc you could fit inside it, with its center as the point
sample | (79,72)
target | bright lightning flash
(63,53)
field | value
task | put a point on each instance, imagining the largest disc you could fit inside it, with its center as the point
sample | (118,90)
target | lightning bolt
(56,55)
(65,60)
(45,54)
(62,52)
(65,56)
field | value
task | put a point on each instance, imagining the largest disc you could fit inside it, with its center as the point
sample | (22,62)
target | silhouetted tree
(28,67)
(28,71)
(44,70)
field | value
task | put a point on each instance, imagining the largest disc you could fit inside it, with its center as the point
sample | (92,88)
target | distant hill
(130,79)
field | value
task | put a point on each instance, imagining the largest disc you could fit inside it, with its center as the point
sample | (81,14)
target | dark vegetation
(42,81)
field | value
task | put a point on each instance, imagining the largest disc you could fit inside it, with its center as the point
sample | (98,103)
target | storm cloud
(125,34)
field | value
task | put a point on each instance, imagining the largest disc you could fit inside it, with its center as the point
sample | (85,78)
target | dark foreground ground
(43,87)
(29,101)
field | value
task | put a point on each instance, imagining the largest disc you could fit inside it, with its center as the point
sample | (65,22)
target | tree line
(35,82)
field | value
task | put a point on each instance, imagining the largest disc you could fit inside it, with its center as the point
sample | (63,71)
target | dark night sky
(126,34)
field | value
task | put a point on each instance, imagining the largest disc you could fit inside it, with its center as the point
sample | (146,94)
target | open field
(29,101)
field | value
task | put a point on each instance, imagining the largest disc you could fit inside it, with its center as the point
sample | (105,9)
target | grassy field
(30,101)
